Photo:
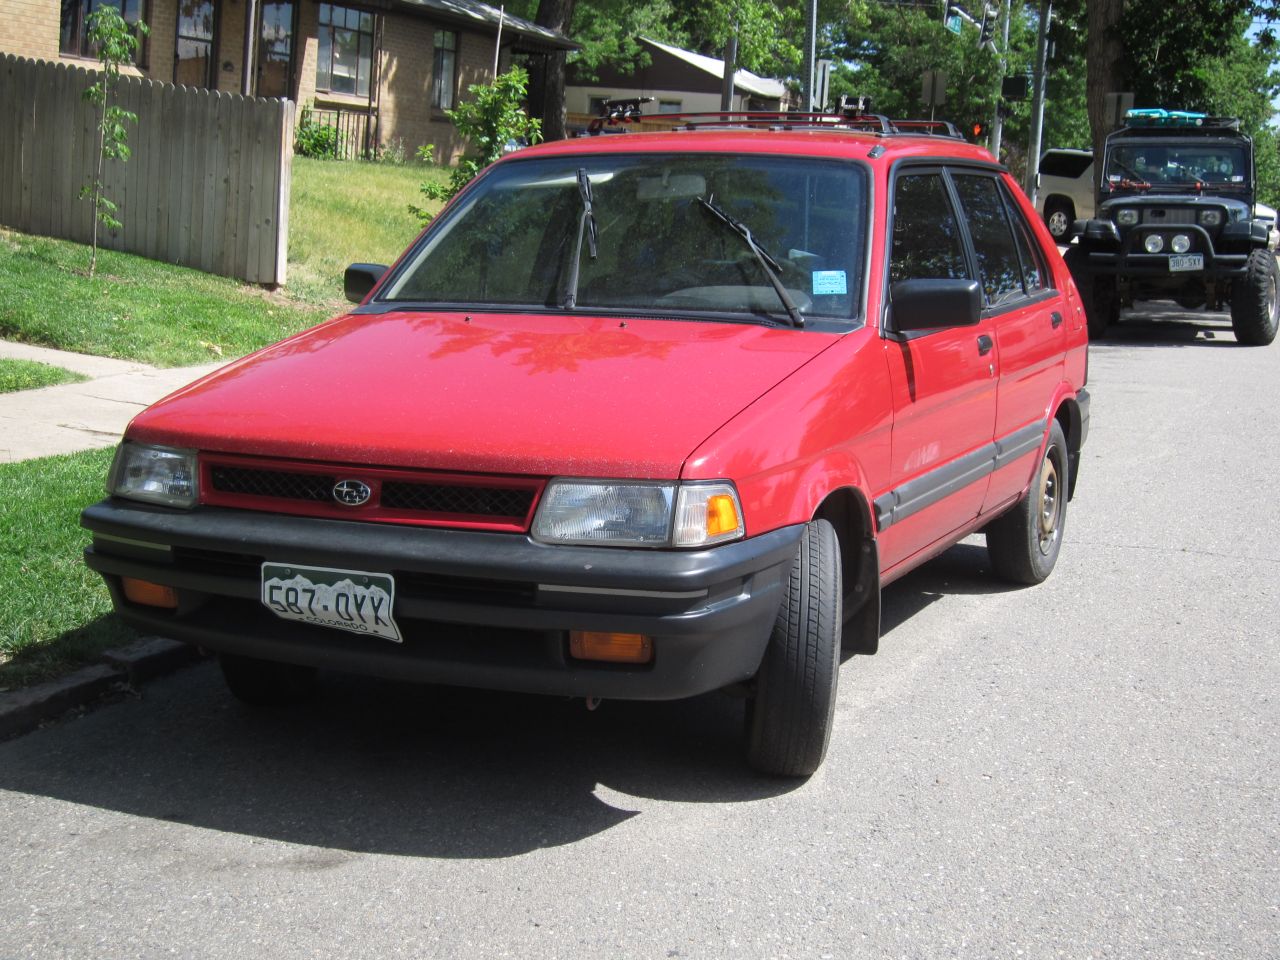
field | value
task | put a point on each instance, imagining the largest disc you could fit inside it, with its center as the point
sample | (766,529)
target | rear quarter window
(1069,165)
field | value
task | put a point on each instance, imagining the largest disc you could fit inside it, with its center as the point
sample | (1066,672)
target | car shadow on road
(373,766)
(1175,327)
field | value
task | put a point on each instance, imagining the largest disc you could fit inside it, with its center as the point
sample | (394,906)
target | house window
(598,106)
(275,48)
(193,54)
(345,63)
(444,67)
(73,36)
(669,106)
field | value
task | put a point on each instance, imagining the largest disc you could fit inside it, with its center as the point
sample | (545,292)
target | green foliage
(493,116)
(315,139)
(116,42)
(29,375)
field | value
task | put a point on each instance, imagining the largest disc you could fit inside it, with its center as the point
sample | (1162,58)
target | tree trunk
(1104,55)
(557,15)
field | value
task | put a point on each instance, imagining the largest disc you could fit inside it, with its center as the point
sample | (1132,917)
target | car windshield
(651,233)
(1177,163)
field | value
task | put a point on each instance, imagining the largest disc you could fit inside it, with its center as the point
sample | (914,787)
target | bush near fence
(207,185)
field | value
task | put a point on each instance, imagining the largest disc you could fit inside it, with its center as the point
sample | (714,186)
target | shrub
(316,139)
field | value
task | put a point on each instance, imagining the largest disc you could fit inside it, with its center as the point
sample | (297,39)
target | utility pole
(810,55)
(997,122)
(1037,102)
(730,68)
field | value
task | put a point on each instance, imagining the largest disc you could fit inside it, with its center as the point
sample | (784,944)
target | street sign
(933,88)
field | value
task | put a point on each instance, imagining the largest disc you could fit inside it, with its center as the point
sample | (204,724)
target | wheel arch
(848,510)
(1068,416)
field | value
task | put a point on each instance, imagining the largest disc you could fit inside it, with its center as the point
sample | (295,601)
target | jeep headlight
(638,513)
(152,474)
(1127,217)
(1210,218)
(1180,243)
(1154,243)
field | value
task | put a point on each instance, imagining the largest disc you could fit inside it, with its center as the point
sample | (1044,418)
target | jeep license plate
(1188,261)
(349,600)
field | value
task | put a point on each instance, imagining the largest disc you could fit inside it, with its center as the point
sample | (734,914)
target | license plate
(1188,261)
(349,600)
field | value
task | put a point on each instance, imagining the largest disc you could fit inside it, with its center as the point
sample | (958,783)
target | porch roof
(480,16)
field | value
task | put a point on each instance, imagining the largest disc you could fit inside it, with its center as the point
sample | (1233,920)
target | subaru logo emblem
(351,493)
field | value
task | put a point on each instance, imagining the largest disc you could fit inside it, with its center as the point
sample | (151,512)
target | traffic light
(979,130)
(987,31)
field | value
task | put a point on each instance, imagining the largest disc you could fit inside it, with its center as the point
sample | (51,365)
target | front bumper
(476,609)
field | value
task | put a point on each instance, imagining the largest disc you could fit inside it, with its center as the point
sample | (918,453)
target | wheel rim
(1271,296)
(1058,223)
(1050,505)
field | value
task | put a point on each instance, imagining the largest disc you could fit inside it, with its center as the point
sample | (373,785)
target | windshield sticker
(828,282)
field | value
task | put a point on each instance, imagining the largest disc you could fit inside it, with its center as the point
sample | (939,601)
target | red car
(638,416)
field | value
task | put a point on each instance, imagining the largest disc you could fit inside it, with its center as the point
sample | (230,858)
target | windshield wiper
(767,263)
(587,225)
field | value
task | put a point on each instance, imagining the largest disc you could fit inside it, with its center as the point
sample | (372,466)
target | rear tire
(266,683)
(1024,543)
(1254,301)
(789,720)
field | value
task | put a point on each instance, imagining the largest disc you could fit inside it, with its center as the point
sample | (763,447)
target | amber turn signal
(149,594)
(613,647)
(722,515)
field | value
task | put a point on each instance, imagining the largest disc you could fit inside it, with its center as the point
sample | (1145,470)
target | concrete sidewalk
(81,416)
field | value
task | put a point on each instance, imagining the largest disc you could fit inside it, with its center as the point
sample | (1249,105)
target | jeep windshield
(1182,164)
(630,233)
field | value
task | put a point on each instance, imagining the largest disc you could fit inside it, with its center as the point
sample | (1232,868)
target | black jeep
(1175,221)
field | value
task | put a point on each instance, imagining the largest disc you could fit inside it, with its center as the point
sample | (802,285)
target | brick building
(383,71)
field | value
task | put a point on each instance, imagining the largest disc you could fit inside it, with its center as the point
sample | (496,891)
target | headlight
(1181,243)
(630,513)
(1154,243)
(1210,218)
(160,475)
(1127,218)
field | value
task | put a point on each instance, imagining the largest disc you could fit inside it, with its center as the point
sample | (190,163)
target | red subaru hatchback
(638,416)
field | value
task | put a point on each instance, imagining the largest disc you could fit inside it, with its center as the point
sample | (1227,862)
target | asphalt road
(1083,769)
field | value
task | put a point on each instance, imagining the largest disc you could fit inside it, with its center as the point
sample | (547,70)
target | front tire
(790,717)
(1254,301)
(266,683)
(1058,217)
(1024,543)
(1101,304)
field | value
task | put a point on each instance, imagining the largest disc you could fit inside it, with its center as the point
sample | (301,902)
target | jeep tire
(1100,300)
(1254,301)
(788,721)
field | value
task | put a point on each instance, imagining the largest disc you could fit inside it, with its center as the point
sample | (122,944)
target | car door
(1028,318)
(943,382)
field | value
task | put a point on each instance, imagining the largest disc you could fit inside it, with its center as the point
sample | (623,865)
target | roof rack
(622,112)
(1157,119)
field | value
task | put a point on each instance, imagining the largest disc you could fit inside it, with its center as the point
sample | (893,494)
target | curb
(22,711)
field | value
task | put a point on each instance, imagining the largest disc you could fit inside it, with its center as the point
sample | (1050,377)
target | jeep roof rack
(621,112)
(1159,120)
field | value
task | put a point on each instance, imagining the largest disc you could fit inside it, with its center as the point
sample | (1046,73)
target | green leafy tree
(493,116)
(116,42)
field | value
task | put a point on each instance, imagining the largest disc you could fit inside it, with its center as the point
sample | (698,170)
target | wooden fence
(207,185)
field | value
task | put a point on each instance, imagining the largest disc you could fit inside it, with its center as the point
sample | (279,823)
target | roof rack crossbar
(629,112)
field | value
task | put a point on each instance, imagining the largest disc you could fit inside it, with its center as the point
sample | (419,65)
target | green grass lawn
(29,374)
(56,614)
(139,309)
(136,309)
(343,213)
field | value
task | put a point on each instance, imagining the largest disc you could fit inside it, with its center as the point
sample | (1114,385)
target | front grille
(314,487)
(443,498)
(395,496)
(1168,216)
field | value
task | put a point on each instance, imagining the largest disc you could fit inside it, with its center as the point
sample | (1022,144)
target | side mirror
(933,305)
(360,278)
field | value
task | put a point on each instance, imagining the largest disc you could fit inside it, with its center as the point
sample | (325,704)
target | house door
(275,49)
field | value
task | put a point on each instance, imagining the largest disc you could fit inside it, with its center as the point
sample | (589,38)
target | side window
(1034,273)
(999,269)
(926,236)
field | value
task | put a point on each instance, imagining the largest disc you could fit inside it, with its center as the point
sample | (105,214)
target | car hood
(521,394)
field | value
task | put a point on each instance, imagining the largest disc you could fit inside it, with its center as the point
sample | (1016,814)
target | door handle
(1056,317)
(985,343)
